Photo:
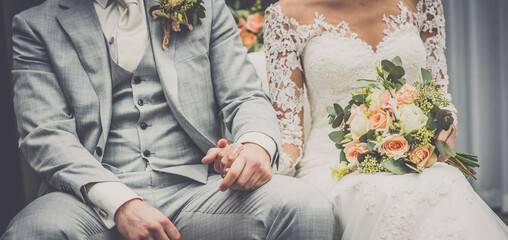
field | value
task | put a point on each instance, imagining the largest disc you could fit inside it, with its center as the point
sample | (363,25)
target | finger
(247,175)
(160,234)
(171,231)
(210,156)
(222,143)
(229,158)
(233,173)
(253,181)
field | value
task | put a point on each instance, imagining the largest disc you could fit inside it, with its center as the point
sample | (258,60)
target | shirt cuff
(260,139)
(107,197)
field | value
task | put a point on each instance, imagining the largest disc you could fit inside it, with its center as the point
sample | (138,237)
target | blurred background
(477,52)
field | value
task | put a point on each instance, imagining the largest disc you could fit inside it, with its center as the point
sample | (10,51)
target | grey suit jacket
(62,87)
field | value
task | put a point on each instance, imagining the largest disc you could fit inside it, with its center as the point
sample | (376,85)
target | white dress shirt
(107,197)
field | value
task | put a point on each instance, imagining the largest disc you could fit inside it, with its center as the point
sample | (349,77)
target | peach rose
(248,39)
(379,120)
(395,146)
(423,156)
(356,110)
(406,94)
(255,22)
(242,26)
(352,150)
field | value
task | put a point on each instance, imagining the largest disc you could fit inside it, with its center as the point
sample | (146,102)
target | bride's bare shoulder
(300,10)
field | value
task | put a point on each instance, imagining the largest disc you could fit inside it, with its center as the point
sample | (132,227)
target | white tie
(132,35)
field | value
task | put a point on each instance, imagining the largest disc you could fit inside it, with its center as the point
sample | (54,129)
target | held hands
(243,167)
(136,219)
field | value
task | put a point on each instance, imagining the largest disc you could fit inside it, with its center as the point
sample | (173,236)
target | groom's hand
(136,219)
(250,170)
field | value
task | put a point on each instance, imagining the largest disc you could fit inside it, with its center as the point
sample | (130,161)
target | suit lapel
(79,19)
(164,61)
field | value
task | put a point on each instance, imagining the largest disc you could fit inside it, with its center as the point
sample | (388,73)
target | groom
(117,128)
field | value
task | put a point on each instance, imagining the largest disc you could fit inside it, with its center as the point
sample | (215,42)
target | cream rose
(356,110)
(359,126)
(396,145)
(406,94)
(423,156)
(411,117)
(255,22)
(352,150)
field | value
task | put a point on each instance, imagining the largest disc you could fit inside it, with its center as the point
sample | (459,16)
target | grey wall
(12,197)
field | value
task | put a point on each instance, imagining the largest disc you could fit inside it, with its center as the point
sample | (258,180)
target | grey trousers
(284,208)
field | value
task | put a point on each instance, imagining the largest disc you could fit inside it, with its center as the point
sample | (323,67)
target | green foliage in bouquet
(391,126)
(249,16)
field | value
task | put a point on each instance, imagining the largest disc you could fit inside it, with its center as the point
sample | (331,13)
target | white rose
(373,98)
(359,126)
(411,117)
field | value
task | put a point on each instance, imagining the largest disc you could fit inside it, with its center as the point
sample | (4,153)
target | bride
(324,46)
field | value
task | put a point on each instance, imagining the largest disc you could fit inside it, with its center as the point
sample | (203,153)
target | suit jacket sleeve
(243,104)
(46,125)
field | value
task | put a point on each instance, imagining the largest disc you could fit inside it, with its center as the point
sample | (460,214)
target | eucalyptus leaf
(397,61)
(343,156)
(337,121)
(338,109)
(426,76)
(395,167)
(367,136)
(339,146)
(359,98)
(440,149)
(336,136)
(449,150)
(396,73)
(387,65)
(411,167)
(331,111)
(371,145)
(366,80)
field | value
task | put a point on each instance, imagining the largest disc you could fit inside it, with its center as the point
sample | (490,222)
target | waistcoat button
(98,150)
(147,153)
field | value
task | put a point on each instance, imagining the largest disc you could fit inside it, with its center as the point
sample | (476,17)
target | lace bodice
(333,57)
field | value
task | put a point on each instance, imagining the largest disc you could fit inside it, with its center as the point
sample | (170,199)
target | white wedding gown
(437,204)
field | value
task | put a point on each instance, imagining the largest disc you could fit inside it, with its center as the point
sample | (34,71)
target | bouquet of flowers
(392,126)
(250,21)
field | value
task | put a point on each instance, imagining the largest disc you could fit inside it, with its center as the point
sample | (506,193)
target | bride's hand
(451,140)
(222,156)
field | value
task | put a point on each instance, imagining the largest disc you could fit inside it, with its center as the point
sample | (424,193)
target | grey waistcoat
(143,130)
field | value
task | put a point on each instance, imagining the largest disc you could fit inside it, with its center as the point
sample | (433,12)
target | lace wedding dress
(437,204)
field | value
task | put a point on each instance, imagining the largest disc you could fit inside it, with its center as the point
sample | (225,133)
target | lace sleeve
(432,31)
(285,79)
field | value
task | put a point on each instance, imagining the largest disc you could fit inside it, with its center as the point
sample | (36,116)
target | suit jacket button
(143,125)
(98,150)
(137,80)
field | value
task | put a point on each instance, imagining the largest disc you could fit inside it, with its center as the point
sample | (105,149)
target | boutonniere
(174,14)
